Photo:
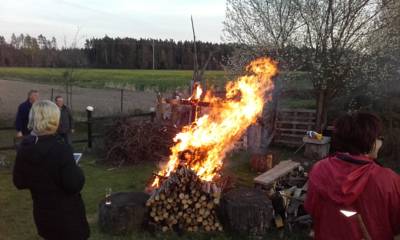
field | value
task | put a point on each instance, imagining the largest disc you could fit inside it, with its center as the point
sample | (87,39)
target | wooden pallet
(292,124)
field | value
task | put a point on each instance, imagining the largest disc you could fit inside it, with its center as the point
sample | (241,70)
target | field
(101,87)
(110,78)
(135,79)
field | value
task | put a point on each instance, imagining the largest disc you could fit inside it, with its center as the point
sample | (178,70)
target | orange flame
(197,93)
(203,145)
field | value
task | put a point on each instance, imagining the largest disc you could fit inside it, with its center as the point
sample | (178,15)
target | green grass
(139,79)
(16,206)
(111,78)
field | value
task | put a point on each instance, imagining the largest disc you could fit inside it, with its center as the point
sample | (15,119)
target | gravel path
(105,101)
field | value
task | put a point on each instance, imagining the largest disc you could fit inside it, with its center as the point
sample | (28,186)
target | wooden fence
(91,135)
(292,124)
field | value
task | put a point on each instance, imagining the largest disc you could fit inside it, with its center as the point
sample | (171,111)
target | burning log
(185,203)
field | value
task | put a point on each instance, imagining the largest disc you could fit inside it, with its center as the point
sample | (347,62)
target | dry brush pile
(129,141)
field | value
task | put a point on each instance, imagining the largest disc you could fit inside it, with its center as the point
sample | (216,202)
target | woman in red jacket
(351,180)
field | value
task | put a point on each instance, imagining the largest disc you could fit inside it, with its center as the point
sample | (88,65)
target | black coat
(45,165)
(22,119)
(66,120)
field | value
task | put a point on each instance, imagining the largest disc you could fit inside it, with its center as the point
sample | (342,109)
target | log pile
(185,203)
(129,142)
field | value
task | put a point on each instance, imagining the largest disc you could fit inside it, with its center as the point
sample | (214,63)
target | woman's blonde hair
(44,117)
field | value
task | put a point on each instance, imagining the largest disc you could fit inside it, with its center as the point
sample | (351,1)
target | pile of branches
(129,142)
(185,203)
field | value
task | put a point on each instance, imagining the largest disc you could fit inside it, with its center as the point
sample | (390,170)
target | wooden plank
(280,170)
(298,119)
(295,122)
(297,110)
(291,135)
(291,130)
(295,143)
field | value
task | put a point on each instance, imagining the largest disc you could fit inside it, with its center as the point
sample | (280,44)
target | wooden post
(122,100)
(52,94)
(90,126)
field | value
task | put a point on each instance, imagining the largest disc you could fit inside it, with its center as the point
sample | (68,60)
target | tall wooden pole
(195,63)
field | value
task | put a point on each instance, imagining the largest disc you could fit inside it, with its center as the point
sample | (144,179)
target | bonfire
(186,190)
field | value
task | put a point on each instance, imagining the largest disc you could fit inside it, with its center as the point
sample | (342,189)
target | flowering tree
(333,33)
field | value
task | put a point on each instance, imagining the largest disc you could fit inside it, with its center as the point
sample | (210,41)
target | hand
(72,130)
(19,134)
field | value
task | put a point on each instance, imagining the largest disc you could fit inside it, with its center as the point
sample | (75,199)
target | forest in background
(128,53)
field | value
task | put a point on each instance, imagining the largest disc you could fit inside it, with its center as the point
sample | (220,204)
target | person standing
(66,126)
(22,118)
(350,195)
(45,165)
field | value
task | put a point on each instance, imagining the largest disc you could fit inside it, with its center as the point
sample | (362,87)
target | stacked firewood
(129,141)
(183,202)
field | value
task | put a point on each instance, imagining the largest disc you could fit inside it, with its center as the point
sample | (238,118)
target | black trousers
(66,137)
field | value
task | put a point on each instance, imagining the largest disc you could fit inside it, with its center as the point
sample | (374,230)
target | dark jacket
(45,165)
(66,120)
(22,119)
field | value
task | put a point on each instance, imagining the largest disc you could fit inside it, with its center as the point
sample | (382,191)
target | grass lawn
(111,78)
(16,206)
(141,79)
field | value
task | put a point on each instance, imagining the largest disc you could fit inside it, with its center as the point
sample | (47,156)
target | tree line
(129,53)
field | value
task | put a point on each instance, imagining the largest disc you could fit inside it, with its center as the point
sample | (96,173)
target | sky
(65,19)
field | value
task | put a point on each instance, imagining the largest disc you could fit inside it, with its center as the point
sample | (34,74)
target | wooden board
(280,170)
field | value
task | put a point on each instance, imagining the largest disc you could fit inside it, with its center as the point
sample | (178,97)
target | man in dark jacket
(66,126)
(21,121)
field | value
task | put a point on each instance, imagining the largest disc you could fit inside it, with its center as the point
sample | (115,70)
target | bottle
(314,135)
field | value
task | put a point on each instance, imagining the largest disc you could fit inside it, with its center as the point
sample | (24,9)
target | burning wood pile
(185,193)
(185,203)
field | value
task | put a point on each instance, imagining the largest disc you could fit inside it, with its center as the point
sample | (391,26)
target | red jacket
(356,183)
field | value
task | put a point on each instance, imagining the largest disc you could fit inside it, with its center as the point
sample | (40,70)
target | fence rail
(89,122)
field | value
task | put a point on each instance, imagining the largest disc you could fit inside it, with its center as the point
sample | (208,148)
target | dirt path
(105,101)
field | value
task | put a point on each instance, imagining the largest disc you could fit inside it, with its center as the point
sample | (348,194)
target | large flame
(203,145)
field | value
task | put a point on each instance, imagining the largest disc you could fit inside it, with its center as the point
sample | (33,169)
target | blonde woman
(45,165)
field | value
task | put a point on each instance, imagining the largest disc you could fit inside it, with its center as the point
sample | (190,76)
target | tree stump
(246,211)
(127,212)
